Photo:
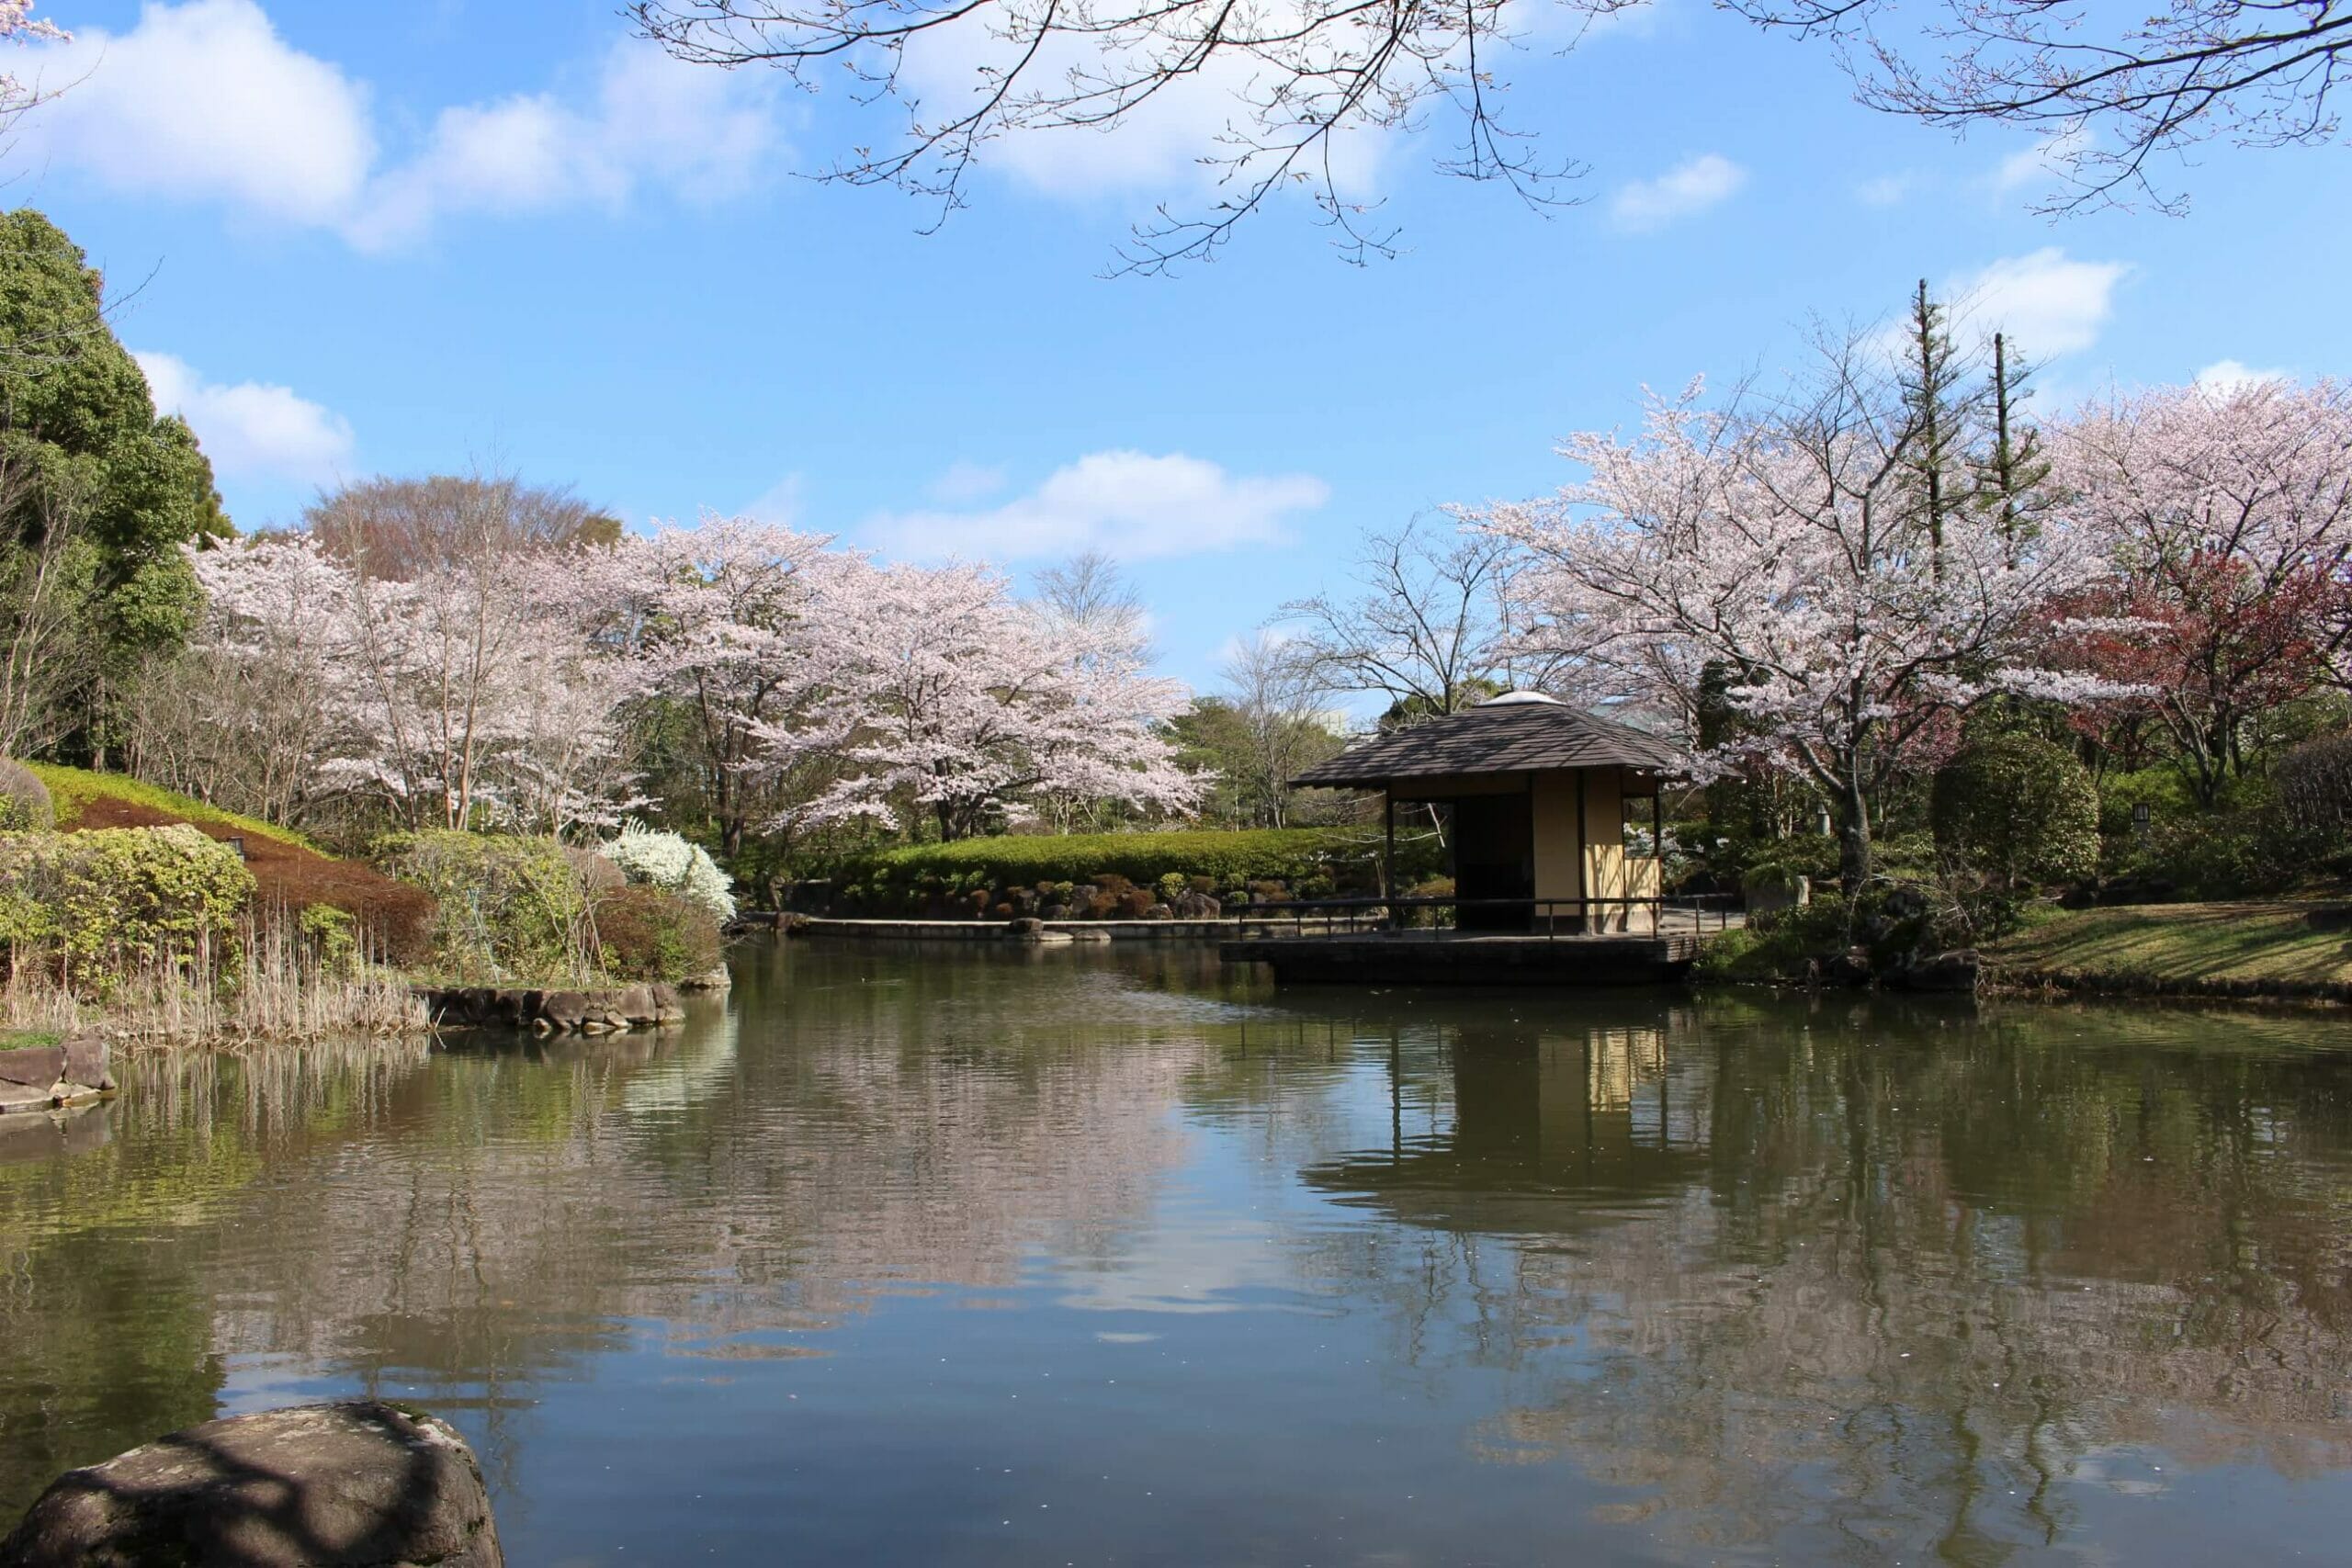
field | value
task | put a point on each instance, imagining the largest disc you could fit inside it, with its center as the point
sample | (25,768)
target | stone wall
(602,1011)
(43,1077)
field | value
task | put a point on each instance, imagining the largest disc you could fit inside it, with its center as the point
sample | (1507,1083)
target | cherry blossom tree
(715,620)
(470,693)
(1783,550)
(942,694)
(257,706)
(2227,517)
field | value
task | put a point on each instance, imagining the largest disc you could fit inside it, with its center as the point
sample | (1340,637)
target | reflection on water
(1052,1256)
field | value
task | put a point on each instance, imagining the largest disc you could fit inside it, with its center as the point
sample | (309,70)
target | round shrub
(2315,783)
(25,805)
(651,933)
(2014,807)
(597,874)
(653,858)
(506,908)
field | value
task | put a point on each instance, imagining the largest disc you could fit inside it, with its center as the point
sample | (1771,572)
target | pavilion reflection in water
(1550,1130)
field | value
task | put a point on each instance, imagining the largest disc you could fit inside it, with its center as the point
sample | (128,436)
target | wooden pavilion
(1554,834)
(1541,797)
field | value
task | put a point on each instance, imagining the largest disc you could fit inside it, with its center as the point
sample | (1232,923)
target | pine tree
(2010,474)
(1939,412)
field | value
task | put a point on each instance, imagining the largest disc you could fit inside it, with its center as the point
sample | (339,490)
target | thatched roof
(1519,732)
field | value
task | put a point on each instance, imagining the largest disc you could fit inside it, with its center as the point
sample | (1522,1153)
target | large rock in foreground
(315,1486)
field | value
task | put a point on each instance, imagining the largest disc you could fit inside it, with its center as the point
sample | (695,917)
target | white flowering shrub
(664,860)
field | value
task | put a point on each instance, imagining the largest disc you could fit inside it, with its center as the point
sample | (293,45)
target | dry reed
(270,984)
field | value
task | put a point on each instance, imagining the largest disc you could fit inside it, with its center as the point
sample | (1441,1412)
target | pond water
(969,1256)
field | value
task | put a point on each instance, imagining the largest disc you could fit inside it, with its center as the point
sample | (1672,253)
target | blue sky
(355,239)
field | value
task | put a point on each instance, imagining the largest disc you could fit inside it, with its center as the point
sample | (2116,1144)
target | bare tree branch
(1426,630)
(1296,76)
(2111,93)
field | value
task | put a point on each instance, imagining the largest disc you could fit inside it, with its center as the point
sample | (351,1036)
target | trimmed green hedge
(2015,808)
(1290,856)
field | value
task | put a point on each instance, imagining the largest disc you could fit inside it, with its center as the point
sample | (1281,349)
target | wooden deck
(1472,958)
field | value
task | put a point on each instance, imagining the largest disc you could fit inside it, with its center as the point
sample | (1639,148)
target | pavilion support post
(1584,854)
(1657,853)
(1388,859)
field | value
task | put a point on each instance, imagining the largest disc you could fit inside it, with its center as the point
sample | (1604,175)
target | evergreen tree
(1940,413)
(96,493)
(2012,472)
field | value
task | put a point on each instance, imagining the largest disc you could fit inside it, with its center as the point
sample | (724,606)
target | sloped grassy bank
(2278,950)
(2290,951)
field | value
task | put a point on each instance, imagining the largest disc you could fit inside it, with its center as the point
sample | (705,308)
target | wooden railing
(1555,917)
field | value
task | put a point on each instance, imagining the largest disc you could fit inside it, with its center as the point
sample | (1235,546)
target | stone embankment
(341,1485)
(602,1011)
(48,1077)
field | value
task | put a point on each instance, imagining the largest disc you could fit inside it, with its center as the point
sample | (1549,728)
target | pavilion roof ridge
(1499,738)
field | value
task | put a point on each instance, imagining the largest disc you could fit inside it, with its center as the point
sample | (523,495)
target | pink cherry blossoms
(1777,548)
(814,687)
(17,25)
(2182,553)
(2225,519)
(941,693)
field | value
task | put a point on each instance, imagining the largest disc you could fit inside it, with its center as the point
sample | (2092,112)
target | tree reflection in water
(1870,1278)
(1809,1279)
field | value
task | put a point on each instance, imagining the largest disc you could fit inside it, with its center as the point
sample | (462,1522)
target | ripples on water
(980,1256)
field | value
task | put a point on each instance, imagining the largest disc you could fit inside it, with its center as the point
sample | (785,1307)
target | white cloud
(965,483)
(204,100)
(1690,186)
(2047,303)
(1131,505)
(1157,145)
(2046,161)
(780,504)
(691,131)
(1886,189)
(251,429)
(2224,376)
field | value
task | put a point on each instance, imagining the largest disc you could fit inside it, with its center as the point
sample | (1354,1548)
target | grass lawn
(2189,942)
(85,799)
(22,1038)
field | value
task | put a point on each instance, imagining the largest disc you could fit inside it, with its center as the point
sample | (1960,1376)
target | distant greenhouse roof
(1516,732)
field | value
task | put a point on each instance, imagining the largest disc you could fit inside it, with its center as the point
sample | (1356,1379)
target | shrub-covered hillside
(289,871)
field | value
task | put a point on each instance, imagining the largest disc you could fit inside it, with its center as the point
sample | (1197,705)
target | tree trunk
(1853,838)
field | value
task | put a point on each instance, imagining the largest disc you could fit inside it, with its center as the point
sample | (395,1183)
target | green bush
(651,933)
(25,805)
(2016,809)
(119,895)
(2161,790)
(333,934)
(509,909)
